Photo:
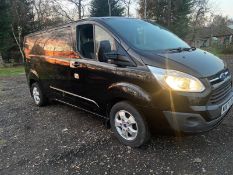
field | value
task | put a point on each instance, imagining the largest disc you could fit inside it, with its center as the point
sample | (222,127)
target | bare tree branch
(128,4)
(18,41)
(60,10)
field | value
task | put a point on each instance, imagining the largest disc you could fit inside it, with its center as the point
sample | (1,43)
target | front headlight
(176,80)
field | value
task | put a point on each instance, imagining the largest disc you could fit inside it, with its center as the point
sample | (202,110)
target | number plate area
(227,106)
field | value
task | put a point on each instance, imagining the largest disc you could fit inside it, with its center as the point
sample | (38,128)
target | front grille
(221,92)
(219,77)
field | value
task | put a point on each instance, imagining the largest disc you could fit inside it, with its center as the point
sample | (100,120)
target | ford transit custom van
(136,75)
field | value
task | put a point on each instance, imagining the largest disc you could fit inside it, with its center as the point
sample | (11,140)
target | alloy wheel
(36,95)
(126,125)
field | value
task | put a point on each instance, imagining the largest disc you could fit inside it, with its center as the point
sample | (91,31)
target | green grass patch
(213,50)
(11,71)
(216,50)
(2,142)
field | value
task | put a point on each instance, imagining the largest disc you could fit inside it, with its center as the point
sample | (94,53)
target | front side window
(85,41)
(105,43)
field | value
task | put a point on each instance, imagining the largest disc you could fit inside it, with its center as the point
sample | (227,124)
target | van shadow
(158,137)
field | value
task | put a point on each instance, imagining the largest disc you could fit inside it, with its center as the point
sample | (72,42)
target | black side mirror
(111,55)
(118,59)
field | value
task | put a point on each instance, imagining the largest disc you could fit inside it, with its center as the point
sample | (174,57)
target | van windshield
(146,36)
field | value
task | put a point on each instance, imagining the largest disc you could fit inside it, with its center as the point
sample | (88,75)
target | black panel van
(136,75)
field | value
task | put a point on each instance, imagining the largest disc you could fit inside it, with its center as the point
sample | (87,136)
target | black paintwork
(100,85)
(196,62)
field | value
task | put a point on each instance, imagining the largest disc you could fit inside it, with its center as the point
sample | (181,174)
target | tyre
(128,125)
(38,95)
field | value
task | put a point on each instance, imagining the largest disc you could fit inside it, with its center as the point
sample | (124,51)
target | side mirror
(118,59)
(111,55)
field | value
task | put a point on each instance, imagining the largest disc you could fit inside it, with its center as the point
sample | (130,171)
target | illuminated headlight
(176,80)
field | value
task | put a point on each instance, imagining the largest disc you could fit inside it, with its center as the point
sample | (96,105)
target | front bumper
(197,121)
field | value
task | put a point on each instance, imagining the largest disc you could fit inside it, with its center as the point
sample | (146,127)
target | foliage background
(20,17)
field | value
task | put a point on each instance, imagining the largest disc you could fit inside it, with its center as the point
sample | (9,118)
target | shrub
(228,50)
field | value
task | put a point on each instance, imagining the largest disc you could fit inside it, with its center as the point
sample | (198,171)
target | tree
(79,5)
(101,8)
(128,4)
(62,11)
(199,16)
(173,14)
(219,21)
(20,17)
(21,23)
(15,22)
(180,17)
(45,14)
(5,28)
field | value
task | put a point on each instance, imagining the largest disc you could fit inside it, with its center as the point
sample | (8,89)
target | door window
(85,41)
(105,43)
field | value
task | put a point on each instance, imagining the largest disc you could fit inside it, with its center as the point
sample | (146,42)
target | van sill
(90,100)
(80,108)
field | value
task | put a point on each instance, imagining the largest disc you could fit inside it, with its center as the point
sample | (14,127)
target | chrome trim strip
(229,76)
(79,108)
(74,95)
(214,79)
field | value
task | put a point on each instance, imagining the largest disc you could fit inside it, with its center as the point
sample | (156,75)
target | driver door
(78,67)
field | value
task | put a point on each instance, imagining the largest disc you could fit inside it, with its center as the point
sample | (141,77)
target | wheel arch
(32,77)
(127,92)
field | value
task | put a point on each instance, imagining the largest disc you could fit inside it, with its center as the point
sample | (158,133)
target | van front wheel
(38,95)
(128,125)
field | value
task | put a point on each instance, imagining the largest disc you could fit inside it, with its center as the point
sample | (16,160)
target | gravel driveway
(58,139)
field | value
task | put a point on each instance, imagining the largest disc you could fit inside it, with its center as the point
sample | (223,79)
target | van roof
(75,22)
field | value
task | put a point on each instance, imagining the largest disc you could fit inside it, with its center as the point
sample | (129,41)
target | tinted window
(145,36)
(54,43)
(62,40)
(105,43)
(36,44)
(85,40)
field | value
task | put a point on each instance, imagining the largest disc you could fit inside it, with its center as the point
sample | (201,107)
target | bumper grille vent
(221,92)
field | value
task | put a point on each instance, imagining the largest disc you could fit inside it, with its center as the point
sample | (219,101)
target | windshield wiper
(181,49)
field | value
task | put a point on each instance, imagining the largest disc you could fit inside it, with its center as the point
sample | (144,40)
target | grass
(11,71)
(219,51)
(213,50)
(2,142)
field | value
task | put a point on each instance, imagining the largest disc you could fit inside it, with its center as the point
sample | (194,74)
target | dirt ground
(58,139)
